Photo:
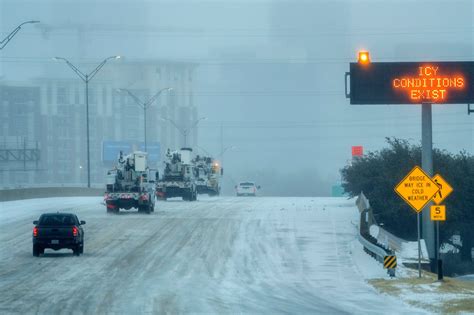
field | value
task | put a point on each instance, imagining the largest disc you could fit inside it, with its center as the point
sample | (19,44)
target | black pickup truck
(57,231)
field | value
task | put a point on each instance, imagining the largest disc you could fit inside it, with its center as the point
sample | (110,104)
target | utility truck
(178,178)
(208,174)
(131,184)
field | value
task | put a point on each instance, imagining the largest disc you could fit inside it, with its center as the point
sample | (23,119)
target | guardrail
(387,239)
(47,192)
(370,243)
(375,251)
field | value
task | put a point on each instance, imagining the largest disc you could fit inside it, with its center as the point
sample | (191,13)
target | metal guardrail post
(364,206)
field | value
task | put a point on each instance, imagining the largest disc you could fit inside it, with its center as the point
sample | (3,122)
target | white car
(246,189)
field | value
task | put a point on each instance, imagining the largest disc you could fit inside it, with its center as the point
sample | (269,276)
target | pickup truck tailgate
(56,232)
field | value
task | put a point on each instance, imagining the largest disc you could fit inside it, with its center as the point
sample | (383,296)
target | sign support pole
(419,244)
(428,230)
(438,256)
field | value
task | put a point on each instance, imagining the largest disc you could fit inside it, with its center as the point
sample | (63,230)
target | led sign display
(412,83)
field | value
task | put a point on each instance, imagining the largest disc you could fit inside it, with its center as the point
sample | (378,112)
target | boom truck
(178,178)
(131,184)
(208,173)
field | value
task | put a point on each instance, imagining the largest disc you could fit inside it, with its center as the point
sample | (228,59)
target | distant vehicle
(178,176)
(58,231)
(246,189)
(208,173)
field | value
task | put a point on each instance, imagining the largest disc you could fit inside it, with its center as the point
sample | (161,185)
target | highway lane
(216,255)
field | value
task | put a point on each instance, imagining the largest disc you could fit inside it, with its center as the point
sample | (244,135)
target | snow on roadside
(447,297)
(450,296)
(368,267)
(466,278)
(426,293)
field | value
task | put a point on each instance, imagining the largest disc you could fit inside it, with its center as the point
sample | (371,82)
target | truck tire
(144,208)
(115,209)
(81,249)
(76,250)
(36,250)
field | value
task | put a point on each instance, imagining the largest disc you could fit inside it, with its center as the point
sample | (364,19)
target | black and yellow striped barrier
(390,262)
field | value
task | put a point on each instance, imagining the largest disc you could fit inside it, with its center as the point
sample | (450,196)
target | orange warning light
(364,57)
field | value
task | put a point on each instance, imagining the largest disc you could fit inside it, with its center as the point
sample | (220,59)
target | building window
(92,96)
(49,94)
(77,98)
(61,97)
(104,96)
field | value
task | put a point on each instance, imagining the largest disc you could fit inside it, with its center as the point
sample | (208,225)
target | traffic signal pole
(427,227)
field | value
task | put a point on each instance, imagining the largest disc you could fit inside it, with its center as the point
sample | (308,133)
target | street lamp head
(169,89)
(28,22)
(112,57)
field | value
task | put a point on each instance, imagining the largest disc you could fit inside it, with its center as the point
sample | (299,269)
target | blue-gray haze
(271,73)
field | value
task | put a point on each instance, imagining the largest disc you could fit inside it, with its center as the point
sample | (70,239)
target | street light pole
(221,156)
(88,134)
(86,78)
(145,105)
(184,132)
(187,131)
(144,126)
(9,37)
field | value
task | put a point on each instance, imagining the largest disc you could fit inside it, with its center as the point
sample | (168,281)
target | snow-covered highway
(216,255)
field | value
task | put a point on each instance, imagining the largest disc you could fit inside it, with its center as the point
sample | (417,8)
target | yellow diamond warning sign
(444,189)
(417,188)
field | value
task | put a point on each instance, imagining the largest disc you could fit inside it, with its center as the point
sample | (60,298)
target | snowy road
(222,255)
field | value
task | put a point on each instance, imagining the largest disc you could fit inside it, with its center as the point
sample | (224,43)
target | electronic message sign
(412,83)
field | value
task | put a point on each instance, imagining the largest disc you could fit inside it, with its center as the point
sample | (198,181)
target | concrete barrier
(47,192)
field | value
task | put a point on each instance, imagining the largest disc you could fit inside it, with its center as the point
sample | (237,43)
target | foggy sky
(270,72)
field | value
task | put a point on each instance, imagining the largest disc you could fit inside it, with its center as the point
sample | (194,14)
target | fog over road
(216,255)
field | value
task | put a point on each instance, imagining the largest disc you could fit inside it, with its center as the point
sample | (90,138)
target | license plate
(54,241)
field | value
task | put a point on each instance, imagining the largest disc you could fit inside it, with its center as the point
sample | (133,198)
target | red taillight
(35,231)
(144,197)
(74,231)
